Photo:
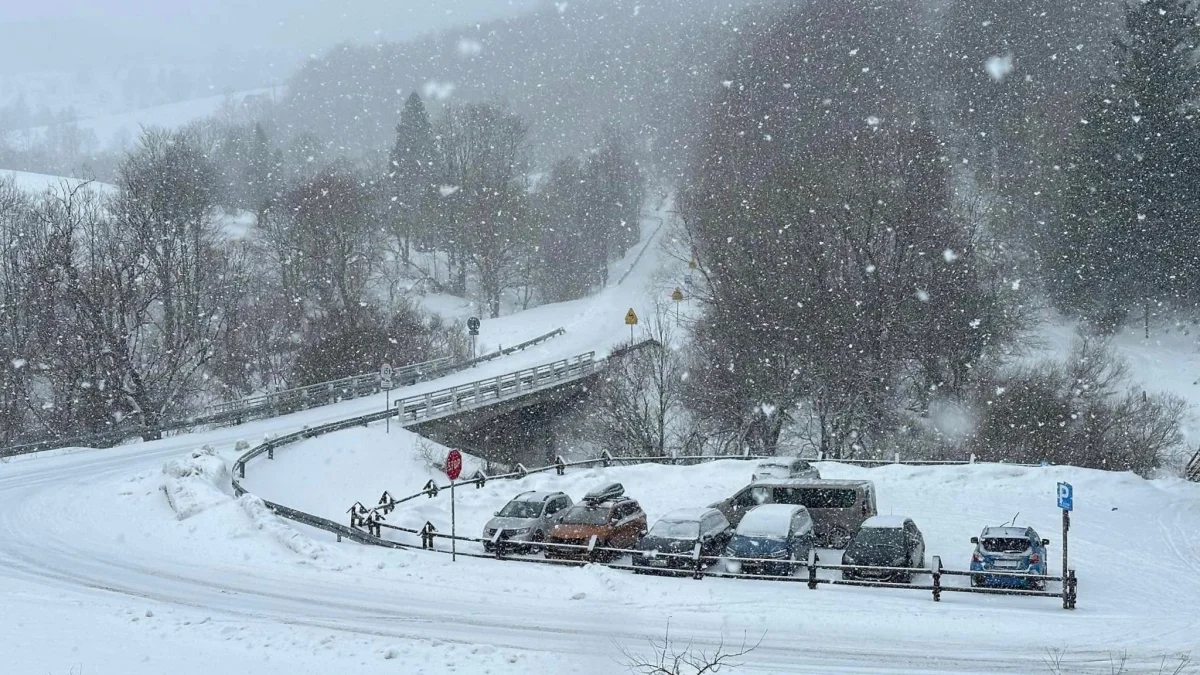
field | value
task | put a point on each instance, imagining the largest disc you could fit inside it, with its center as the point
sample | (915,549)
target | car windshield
(677,529)
(773,470)
(877,538)
(1005,545)
(515,509)
(583,514)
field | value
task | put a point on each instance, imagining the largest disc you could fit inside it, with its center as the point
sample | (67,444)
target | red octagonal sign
(453,464)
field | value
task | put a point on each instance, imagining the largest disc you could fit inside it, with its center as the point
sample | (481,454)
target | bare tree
(484,199)
(667,657)
(641,395)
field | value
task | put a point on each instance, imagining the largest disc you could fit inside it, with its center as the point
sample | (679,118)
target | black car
(885,541)
(679,532)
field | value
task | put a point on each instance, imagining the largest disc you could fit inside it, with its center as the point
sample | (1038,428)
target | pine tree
(1130,237)
(411,172)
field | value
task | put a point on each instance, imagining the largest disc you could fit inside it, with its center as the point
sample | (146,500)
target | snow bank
(196,483)
(265,520)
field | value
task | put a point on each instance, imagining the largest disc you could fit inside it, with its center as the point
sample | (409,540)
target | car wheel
(839,537)
(976,580)
(538,540)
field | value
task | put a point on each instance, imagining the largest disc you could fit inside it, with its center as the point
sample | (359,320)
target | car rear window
(582,514)
(676,529)
(1005,545)
(521,510)
(817,498)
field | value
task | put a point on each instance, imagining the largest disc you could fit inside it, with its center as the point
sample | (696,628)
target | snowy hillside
(37,183)
(119,131)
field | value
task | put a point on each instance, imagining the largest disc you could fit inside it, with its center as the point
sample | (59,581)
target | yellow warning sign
(631,317)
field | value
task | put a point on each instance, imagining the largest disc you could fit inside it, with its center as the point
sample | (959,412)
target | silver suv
(525,521)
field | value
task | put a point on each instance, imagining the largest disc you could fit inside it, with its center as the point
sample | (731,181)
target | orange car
(614,519)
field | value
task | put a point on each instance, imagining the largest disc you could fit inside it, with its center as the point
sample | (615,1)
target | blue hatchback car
(1008,549)
(775,535)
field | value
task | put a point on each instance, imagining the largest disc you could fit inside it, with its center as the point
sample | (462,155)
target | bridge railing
(481,393)
(276,403)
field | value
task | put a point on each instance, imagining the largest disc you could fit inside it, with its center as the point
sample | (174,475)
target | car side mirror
(974,540)
(497,514)
(1045,542)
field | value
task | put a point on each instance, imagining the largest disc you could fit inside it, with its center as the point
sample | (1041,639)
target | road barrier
(278,403)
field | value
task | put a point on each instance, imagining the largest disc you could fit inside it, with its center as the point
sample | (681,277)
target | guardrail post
(936,568)
(430,488)
(480,478)
(271,451)
(497,385)
(521,470)
(386,503)
(427,535)
(972,460)
(241,469)
(697,574)
(606,458)
(559,465)
(428,404)
(812,569)
(591,549)
(1070,589)
(475,400)
(897,458)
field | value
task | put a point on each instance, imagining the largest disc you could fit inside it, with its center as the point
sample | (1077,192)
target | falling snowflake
(561,7)
(922,295)
(1016,285)
(998,67)
(447,190)
(870,269)
(975,323)
(949,255)
(18,364)
(468,47)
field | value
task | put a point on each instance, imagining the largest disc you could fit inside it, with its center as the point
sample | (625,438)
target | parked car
(615,520)
(525,521)
(882,542)
(837,507)
(1009,549)
(784,467)
(777,532)
(681,532)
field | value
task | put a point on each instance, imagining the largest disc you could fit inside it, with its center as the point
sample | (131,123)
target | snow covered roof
(686,515)
(1005,531)
(885,522)
(768,520)
(533,496)
(780,461)
(810,482)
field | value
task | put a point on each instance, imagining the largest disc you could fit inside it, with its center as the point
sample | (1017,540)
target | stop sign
(453,464)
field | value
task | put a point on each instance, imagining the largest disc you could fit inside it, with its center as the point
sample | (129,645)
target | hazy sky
(56,34)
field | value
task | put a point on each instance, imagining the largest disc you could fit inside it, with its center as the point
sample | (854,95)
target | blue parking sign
(1066,495)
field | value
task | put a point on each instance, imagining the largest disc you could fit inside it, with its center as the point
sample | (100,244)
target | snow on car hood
(503,523)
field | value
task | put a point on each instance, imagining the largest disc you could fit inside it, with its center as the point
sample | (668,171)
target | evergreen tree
(1130,237)
(411,172)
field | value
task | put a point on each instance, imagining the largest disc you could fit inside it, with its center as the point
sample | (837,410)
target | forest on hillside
(885,198)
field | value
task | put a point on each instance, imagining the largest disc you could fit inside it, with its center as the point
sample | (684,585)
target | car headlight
(523,530)
(489,532)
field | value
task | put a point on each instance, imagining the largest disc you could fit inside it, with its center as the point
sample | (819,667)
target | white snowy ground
(37,183)
(109,564)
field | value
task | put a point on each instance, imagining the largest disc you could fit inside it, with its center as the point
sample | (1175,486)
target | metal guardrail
(483,393)
(448,401)
(277,403)
(1192,472)
(322,393)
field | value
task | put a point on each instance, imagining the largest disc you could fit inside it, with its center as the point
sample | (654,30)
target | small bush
(1082,411)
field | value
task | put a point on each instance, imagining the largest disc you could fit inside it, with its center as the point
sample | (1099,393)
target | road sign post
(677,296)
(1066,502)
(453,471)
(473,329)
(385,381)
(631,320)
